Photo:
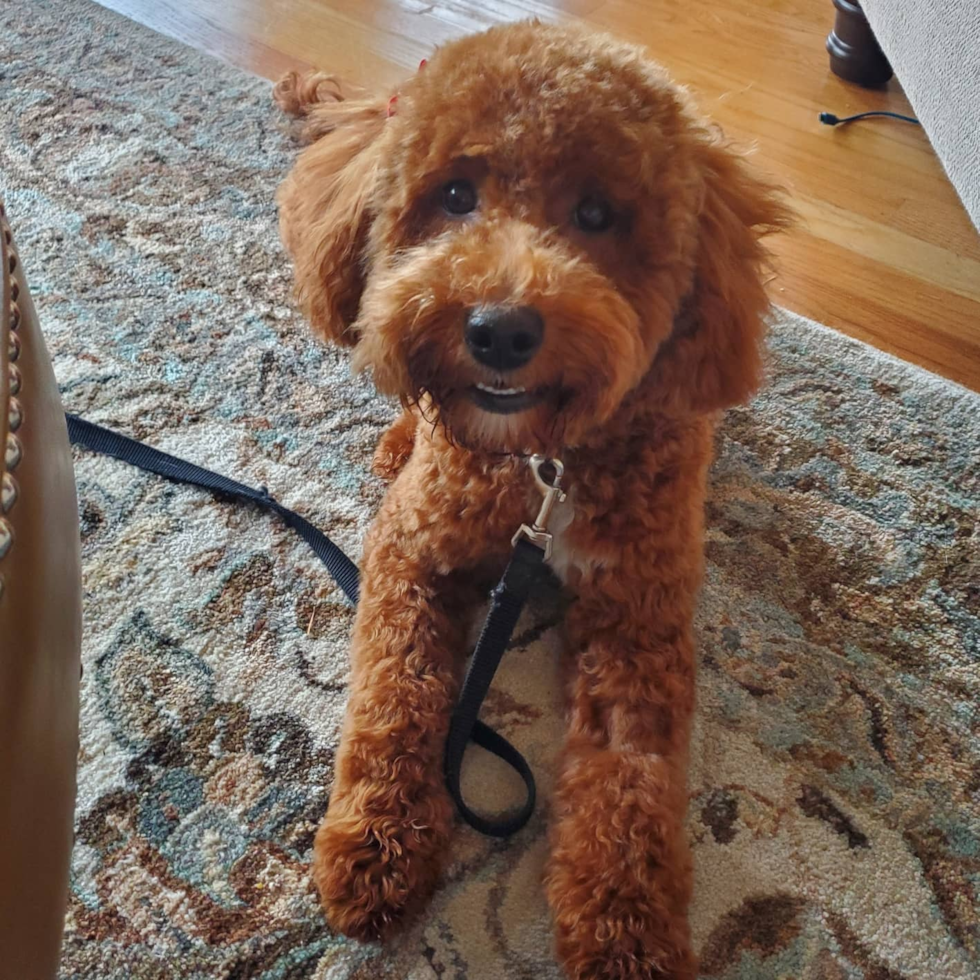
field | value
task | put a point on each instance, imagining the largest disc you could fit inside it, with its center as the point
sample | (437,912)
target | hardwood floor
(885,251)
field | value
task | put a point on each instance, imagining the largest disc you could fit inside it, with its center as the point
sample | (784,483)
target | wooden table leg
(854,52)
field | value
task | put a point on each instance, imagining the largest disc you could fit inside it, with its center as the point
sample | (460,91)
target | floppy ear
(324,201)
(714,358)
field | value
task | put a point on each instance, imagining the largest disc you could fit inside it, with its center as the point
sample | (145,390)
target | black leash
(532,548)
(109,443)
(507,601)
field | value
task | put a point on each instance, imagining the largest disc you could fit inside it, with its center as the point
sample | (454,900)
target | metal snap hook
(552,494)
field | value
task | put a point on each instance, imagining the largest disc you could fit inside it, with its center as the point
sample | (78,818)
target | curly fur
(651,328)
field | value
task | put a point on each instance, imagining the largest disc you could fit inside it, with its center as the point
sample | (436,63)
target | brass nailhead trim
(15,414)
(8,493)
(13,452)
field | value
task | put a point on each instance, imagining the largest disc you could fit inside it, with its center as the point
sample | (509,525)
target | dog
(538,246)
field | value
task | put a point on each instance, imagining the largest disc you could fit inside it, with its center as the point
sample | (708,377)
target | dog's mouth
(502,399)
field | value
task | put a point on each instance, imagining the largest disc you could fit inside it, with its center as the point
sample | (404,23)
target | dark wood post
(854,52)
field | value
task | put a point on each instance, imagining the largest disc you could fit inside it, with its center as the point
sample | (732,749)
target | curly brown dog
(538,246)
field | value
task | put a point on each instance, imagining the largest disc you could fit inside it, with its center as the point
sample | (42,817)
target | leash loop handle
(507,601)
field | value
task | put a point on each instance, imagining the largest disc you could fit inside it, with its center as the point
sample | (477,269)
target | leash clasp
(552,494)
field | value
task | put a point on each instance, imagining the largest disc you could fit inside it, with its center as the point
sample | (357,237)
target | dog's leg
(395,446)
(379,848)
(619,879)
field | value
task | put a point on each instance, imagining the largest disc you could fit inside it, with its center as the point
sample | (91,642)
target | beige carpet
(836,768)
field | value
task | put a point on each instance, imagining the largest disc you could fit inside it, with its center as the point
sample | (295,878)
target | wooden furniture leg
(855,54)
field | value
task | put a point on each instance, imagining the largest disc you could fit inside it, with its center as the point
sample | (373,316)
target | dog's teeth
(501,391)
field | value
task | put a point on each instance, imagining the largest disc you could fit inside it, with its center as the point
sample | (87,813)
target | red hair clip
(394,99)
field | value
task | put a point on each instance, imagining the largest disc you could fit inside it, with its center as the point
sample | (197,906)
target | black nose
(504,337)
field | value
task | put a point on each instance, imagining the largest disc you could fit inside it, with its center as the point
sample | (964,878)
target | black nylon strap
(507,602)
(109,443)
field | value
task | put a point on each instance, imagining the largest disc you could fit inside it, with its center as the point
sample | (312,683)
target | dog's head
(536,228)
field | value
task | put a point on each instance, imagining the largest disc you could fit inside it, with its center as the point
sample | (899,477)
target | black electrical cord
(829,119)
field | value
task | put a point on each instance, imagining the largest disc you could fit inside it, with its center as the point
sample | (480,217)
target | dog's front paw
(619,878)
(371,870)
(395,447)
(619,939)
(620,913)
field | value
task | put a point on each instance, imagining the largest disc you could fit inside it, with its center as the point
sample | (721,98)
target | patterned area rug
(835,792)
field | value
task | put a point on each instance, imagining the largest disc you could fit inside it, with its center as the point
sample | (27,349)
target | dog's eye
(593,214)
(459,197)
